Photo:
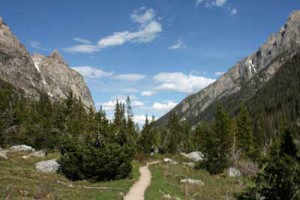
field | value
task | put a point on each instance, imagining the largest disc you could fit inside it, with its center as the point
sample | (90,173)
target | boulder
(189,164)
(48,166)
(192,181)
(170,161)
(19,148)
(196,156)
(233,172)
(3,153)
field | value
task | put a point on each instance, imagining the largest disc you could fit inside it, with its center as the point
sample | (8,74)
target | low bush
(96,162)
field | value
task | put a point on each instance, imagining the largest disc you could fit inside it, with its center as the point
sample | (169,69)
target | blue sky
(156,51)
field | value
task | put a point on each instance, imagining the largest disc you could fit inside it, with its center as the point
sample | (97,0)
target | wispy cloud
(91,72)
(164,106)
(179,44)
(37,45)
(110,105)
(147,93)
(219,73)
(83,48)
(129,77)
(210,3)
(149,29)
(140,119)
(232,11)
(81,40)
(180,82)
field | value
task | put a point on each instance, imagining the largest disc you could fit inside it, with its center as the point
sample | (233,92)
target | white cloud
(140,119)
(137,104)
(80,40)
(90,72)
(83,48)
(165,106)
(110,105)
(129,77)
(148,30)
(37,45)
(147,93)
(219,73)
(233,11)
(219,2)
(210,3)
(146,33)
(178,45)
(143,16)
(180,82)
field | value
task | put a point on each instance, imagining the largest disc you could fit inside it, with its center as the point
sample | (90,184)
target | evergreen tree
(174,140)
(146,138)
(218,144)
(280,178)
(245,133)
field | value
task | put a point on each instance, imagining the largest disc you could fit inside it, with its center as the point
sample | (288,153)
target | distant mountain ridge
(253,71)
(37,73)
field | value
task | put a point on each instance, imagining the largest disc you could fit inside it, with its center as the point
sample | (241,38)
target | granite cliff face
(59,79)
(37,73)
(16,65)
(254,70)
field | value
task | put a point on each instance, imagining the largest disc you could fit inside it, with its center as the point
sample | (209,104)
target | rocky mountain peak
(38,73)
(55,55)
(294,17)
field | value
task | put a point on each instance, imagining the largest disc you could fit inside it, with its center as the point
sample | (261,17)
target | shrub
(98,162)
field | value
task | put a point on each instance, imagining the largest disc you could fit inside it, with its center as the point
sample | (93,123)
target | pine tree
(245,133)
(175,138)
(280,178)
(218,143)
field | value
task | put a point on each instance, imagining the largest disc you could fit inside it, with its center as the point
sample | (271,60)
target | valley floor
(20,180)
(166,183)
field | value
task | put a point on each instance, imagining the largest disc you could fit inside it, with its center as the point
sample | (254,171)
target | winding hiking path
(138,189)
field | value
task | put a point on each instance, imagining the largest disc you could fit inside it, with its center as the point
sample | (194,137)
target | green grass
(166,180)
(20,180)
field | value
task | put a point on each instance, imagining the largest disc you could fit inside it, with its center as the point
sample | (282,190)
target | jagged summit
(56,56)
(264,62)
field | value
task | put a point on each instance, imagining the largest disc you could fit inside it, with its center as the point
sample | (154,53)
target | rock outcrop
(196,156)
(16,65)
(265,62)
(20,148)
(48,166)
(38,73)
(59,79)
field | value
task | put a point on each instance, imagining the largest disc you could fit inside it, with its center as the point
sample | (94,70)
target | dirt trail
(138,189)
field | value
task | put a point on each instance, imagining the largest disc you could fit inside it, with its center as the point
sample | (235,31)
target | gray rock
(60,79)
(233,172)
(263,62)
(192,182)
(196,156)
(3,153)
(170,161)
(19,148)
(49,166)
(39,73)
